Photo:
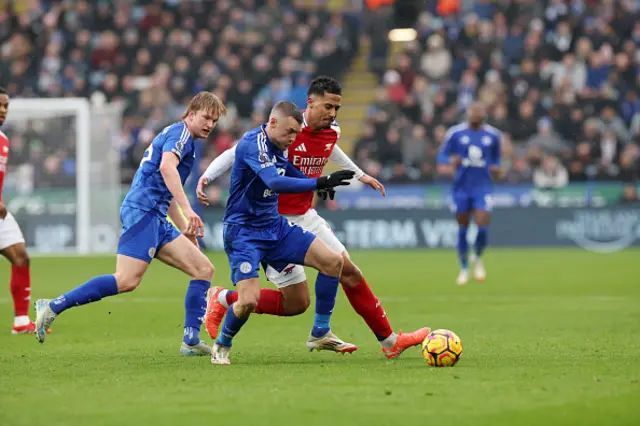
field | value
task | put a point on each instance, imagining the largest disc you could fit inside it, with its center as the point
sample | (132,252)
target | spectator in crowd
(551,174)
(559,79)
(151,56)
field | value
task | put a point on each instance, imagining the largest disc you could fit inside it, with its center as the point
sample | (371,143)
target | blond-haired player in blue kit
(156,192)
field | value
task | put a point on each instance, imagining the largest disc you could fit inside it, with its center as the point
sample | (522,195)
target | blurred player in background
(310,152)
(254,231)
(473,149)
(12,242)
(157,191)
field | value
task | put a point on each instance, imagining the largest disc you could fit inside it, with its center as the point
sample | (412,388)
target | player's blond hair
(206,101)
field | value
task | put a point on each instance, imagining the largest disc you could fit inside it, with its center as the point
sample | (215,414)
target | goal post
(63,181)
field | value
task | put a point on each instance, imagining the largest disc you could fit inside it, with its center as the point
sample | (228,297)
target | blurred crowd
(153,55)
(560,78)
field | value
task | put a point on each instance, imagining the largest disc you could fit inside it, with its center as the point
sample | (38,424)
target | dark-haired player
(473,148)
(12,245)
(314,146)
(254,231)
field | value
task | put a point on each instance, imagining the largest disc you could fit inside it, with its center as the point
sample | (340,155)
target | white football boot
(463,277)
(199,349)
(479,273)
(44,318)
(330,342)
(220,354)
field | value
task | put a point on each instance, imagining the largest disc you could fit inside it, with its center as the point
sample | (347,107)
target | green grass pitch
(552,338)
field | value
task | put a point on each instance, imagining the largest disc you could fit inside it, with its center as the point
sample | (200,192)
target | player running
(254,232)
(156,192)
(473,148)
(12,244)
(310,152)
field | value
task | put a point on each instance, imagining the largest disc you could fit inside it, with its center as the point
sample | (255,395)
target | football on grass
(442,348)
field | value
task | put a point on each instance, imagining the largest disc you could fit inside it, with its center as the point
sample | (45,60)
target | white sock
(21,321)
(389,341)
(222,298)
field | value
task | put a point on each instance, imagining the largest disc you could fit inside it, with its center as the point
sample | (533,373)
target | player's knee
(246,305)
(127,283)
(302,305)
(21,258)
(333,265)
(351,274)
(296,306)
(482,218)
(204,271)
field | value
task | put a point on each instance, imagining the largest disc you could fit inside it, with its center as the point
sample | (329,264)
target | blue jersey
(251,202)
(148,191)
(477,150)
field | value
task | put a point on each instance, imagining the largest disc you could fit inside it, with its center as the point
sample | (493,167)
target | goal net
(63,179)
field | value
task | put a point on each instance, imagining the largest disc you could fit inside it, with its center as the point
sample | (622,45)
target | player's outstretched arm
(293,171)
(217,168)
(284,184)
(169,171)
(339,157)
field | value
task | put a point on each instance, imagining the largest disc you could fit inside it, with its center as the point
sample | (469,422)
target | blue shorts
(280,245)
(144,233)
(464,201)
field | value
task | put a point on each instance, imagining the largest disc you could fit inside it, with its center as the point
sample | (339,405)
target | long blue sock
(482,239)
(91,291)
(195,306)
(463,247)
(326,292)
(230,327)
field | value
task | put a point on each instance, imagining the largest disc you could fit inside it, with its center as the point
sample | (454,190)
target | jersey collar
(263,128)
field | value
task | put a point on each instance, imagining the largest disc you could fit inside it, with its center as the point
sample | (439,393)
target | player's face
(284,131)
(322,110)
(476,114)
(4,108)
(203,122)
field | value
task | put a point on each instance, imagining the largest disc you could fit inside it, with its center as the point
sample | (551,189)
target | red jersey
(4,158)
(309,153)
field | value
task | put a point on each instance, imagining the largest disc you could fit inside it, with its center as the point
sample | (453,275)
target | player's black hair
(3,91)
(324,84)
(289,109)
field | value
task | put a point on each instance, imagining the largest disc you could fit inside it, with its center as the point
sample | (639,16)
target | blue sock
(326,292)
(463,247)
(482,240)
(91,291)
(195,306)
(230,327)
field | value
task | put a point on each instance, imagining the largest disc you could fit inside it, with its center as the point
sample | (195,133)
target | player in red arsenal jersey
(12,242)
(310,152)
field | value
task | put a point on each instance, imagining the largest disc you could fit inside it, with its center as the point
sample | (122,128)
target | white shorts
(314,223)
(10,233)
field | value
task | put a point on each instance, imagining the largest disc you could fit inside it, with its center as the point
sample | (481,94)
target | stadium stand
(153,55)
(560,78)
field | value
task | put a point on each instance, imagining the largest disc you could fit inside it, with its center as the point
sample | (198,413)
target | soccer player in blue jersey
(157,191)
(473,149)
(254,232)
